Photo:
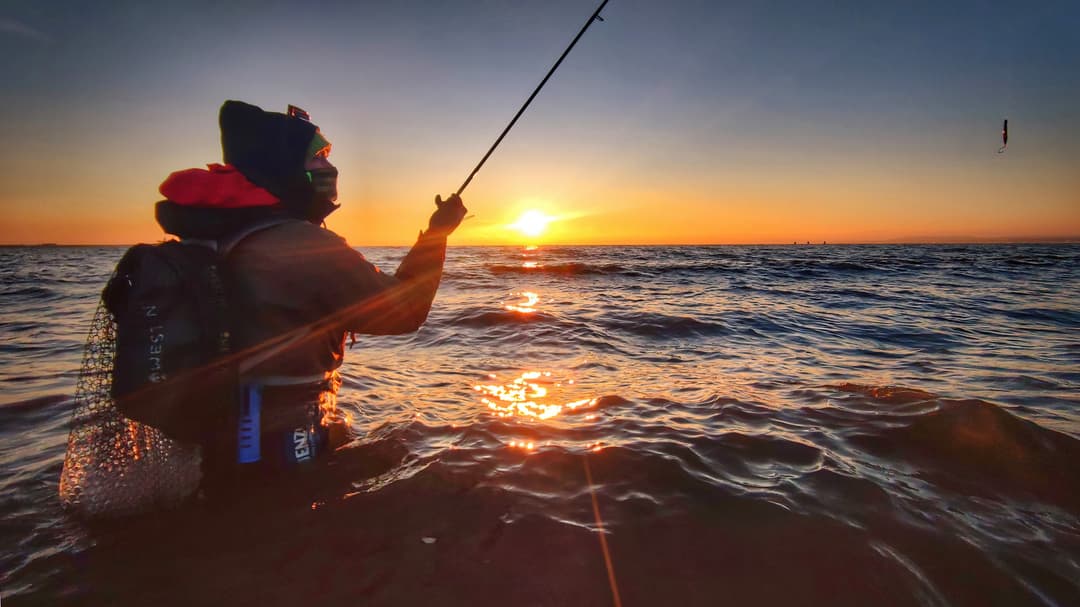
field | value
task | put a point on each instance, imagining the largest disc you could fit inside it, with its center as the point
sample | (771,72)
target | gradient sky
(671,122)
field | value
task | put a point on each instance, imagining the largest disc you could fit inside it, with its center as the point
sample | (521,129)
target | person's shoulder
(302,229)
(294,239)
(306,232)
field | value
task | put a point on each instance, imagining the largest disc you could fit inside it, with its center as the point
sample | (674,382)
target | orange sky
(654,131)
(779,198)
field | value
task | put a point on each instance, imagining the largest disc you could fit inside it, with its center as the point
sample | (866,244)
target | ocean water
(791,425)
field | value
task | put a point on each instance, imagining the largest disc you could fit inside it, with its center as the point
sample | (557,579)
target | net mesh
(115,466)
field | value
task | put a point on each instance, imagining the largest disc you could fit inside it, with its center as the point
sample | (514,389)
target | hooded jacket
(296,288)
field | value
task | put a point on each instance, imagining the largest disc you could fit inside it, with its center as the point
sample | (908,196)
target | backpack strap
(275,347)
(226,245)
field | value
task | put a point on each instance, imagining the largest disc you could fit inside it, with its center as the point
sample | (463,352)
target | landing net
(115,466)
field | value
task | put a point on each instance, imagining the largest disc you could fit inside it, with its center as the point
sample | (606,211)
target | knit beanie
(269,149)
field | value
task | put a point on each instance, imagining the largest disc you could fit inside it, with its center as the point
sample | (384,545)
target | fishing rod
(595,17)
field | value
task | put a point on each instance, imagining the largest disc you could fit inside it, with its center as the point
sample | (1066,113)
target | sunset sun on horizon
(532,223)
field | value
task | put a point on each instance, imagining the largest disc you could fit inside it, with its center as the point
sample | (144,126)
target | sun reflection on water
(527,305)
(527,396)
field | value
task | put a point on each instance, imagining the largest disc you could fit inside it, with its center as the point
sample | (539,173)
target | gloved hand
(448,216)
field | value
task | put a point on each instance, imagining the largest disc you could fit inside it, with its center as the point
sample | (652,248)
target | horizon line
(981,241)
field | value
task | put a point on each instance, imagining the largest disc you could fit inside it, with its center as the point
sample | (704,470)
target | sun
(531,223)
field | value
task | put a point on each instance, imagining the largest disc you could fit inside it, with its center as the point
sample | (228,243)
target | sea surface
(729,425)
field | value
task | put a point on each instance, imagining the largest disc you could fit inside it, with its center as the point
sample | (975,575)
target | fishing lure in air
(1004,136)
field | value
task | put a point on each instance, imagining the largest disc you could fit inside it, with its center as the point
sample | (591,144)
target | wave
(649,268)
(907,336)
(1033,260)
(1059,316)
(857,294)
(485,317)
(29,293)
(36,403)
(663,326)
(645,324)
(568,269)
(890,395)
(784,267)
(973,446)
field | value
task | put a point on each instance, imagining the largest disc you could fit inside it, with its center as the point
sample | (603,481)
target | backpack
(173,368)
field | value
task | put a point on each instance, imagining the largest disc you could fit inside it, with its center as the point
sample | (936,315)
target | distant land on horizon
(802,243)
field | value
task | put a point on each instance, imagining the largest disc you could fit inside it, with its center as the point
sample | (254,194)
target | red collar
(221,186)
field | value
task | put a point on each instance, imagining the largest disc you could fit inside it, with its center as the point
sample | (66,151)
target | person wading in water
(295,289)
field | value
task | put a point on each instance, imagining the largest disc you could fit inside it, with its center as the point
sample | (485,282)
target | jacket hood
(210,223)
(212,203)
(217,186)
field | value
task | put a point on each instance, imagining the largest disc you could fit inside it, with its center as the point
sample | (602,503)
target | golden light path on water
(536,396)
(532,396)
(529,397)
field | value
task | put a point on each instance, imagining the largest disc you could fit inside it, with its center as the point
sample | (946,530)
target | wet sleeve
(375,303)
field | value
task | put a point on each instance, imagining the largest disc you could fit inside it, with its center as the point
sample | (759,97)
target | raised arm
(392,305)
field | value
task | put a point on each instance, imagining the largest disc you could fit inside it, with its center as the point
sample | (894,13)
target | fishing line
(1010,93)
(595,17)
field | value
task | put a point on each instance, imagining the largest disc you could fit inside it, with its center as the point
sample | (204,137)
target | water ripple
(771,425)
